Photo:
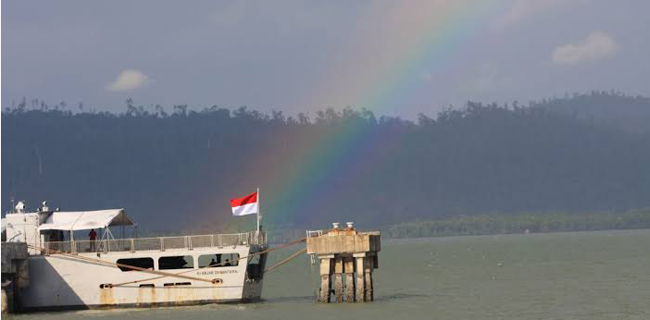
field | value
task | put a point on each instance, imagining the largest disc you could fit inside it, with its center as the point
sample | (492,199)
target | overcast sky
(300,56)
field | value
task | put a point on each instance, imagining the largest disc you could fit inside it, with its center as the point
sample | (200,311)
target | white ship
(66,273)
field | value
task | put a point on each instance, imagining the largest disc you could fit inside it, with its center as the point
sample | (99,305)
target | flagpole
(259,217)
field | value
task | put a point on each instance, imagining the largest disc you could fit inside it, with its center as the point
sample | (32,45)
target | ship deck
(188,242)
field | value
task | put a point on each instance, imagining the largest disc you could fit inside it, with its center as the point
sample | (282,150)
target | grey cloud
(274,54)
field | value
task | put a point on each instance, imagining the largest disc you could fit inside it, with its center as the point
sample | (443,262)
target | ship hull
(65,282)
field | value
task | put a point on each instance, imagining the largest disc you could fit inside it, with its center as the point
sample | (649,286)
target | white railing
(314,233)
(157,243)
(318,233)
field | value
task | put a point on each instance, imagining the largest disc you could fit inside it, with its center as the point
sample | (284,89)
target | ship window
(176,262)
(219,260)
(172,284)
(145,263)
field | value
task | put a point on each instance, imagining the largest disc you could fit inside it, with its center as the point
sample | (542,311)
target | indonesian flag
(245,205)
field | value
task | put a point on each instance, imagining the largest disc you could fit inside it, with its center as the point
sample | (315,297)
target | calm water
(586,275)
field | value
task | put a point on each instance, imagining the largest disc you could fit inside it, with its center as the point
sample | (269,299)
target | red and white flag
(245,205)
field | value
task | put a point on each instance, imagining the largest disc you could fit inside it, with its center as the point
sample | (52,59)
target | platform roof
(86,220)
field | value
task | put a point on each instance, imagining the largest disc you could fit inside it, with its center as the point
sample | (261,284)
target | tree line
(176,169)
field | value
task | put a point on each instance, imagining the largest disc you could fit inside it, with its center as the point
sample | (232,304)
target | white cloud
(598,45)
(486,78)
(128,80)
(524,9)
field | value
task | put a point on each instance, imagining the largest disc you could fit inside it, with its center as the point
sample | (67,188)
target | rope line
(162,274)
(218,264)
(119,265)
(291,257)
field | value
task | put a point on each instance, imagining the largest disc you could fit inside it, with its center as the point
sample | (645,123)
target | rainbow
(382,74)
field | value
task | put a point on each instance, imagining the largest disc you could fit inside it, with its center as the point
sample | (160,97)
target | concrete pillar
(338,278)
(325,271)
(360,295)
(348,268)
(368,266)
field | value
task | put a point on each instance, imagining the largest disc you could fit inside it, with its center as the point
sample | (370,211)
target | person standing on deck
(92,235)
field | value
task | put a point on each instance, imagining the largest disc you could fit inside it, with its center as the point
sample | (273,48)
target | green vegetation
(520,223)
(177,170)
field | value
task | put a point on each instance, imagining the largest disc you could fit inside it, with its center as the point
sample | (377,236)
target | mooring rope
(119,265)
(218,264)
(291,257)
(162,274)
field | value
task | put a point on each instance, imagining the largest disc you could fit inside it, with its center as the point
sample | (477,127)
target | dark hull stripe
(137,305)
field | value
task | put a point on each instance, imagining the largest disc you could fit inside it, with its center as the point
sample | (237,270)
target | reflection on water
(584,275)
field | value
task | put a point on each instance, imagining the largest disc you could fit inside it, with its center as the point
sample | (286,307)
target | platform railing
(156,243)
(318,233)
(314,233)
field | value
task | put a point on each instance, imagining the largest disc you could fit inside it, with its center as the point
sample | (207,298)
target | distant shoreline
(499,224)
(479,225)
(520,224)
(518,234)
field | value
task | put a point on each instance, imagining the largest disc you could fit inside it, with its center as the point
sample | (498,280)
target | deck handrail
(156,243)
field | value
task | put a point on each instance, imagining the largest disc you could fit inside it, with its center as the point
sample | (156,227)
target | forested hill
(605,108)
(177,170)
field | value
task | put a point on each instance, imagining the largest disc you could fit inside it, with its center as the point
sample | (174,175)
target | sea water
(579,275)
